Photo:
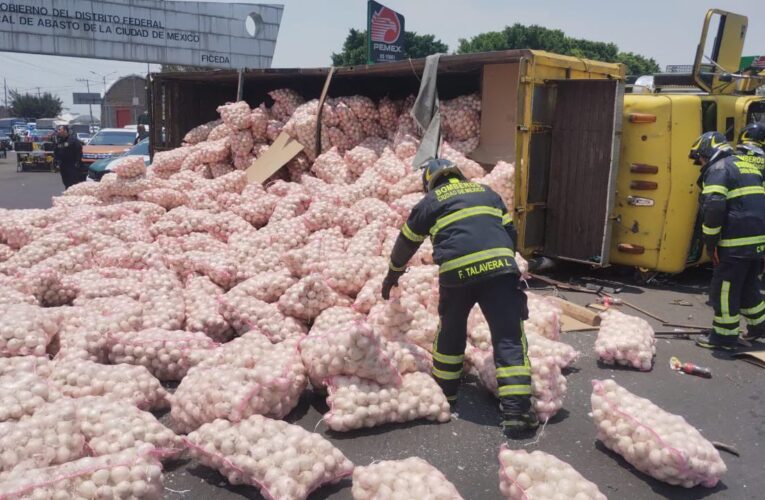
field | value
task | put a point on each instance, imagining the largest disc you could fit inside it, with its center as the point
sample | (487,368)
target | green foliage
(31,106)
(519,36)
(354,49)
(179,68)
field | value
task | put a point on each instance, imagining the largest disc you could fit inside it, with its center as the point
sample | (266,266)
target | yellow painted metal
(538,70)
(730,44)
(665,229)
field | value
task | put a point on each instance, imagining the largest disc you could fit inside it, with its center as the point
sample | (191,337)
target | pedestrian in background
(68,154)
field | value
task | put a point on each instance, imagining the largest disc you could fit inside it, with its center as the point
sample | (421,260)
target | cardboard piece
(754,357)
(569,324)
(284,149)
(499,111)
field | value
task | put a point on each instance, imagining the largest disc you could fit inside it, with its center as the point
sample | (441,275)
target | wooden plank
(284,149)
(577,312)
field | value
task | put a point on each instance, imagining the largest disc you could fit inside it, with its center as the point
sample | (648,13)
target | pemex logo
(385,26)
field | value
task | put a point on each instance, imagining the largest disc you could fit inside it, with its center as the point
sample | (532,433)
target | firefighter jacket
(733,207)
(472,233)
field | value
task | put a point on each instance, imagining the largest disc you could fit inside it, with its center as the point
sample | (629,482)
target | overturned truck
(556,118)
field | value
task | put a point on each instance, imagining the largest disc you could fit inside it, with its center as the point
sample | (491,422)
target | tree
(31,106)
(519,36)
(354,49)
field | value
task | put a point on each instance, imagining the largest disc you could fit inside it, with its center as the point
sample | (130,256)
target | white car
(84,137)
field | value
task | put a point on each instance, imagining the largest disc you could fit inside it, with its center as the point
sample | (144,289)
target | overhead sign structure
(218,35)
(86,98)
(385,34)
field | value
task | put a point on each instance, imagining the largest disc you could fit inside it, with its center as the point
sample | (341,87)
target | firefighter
(473,240)
(751,142)
(733,227)
(68,154)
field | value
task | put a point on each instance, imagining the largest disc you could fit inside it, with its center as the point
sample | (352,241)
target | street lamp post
(103,97)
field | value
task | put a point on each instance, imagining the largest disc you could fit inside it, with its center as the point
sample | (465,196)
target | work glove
(391,280)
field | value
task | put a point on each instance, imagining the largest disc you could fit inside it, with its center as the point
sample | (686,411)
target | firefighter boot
(756,332)
(519,420)
(710,340)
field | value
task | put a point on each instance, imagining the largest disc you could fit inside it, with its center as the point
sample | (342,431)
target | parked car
(41,135)
(107,143)
(84,137)
(99,168)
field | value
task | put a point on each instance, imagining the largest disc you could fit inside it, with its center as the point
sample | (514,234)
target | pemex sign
(220,35)
(385,34)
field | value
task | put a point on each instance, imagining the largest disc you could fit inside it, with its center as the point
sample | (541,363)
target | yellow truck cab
(655,225)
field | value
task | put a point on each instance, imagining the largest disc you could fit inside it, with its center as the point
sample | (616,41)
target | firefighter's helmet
(434,169)
(752,135)
(711,146)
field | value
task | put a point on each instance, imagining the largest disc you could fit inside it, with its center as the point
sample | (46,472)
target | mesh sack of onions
(461,121)
(404,205)
(625,340)
(501,180)
(75,201)
(291,206)
(236,115)
(200,133)
(40,440)
(132,473)
(388,111)
(408,478)
(322,214)
(286,101)
(541,476)
(22,393)
(420,283)
(523,265)
(35,365)
(220,131)
(274,129)
(352,349)
(370,294)
(469,168)
(467,146)
(6,252)
(242,143)
(36,251)
(391,319)
(246,313)
(110,426)
(270,386)
(334,318)
(544,316)
(349,274)
(408,357)
(368,240)
(81,189)
(259,123)
(48,287)
(308,297)
(364,156)
(331,168)
(10,295)
(166,163)
(658,443)
(257,212)
(548,385)
(283,460)
(267,287)
(79,378)
(129,167)
(355,403)
(163,308)
(244,351)
(221,268)
(540,346)
(201,297)
(26,329)
(164,353)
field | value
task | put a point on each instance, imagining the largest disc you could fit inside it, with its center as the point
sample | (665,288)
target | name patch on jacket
(483,267)
(449,190)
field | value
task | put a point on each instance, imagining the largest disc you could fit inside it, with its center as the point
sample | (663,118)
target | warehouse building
(124,102)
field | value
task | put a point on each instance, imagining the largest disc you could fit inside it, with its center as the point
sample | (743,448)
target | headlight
(101,156)
(89,156)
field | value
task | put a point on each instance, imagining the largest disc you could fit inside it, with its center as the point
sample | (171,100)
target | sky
(667,30)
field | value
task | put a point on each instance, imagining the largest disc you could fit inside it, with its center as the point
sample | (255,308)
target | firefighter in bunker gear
(733,213)
(473,239)
(751,142)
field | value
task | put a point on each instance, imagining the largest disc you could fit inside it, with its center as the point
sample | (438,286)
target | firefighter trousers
(734,293)
(504,306)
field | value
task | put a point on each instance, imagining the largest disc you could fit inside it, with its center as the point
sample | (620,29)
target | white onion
(625,340)
(409,478)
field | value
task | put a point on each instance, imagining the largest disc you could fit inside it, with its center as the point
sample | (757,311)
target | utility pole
(90,106)
(38,92)
(5,86)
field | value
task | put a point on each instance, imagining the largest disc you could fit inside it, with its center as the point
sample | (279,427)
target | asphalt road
(729,408)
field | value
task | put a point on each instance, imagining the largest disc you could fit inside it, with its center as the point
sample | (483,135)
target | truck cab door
(584,156)
(719,51)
